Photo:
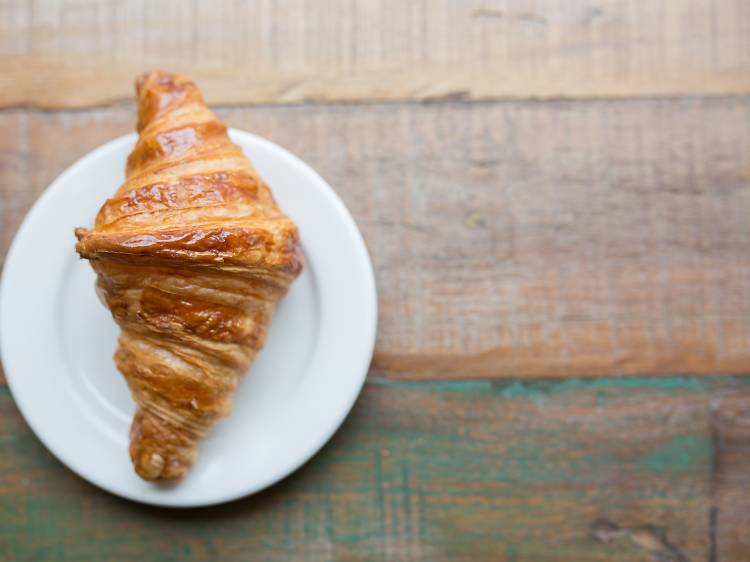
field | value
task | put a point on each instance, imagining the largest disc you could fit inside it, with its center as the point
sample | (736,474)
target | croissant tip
(149,466)
(158,76)
(154,466)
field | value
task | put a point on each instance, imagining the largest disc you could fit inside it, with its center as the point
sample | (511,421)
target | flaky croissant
(191,254)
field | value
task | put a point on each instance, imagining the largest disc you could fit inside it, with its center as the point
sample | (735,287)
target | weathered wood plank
(731,515)
(509,239)
(75,54)
(425,471)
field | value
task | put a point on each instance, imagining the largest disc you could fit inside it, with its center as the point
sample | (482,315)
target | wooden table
(556,198)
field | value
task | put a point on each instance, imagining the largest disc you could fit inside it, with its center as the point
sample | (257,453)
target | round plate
(57,339)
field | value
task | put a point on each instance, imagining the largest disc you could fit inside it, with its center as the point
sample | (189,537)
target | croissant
(191,254)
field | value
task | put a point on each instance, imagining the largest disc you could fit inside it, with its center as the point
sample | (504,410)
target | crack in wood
(713,512)
(713,518)
(652,539)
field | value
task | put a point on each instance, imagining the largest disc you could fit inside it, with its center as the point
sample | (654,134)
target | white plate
(57,339)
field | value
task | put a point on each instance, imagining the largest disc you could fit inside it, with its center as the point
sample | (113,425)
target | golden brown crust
(191,254)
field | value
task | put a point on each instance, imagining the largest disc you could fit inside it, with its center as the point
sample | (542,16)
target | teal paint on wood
(419,471)
(534,389)
(680,453)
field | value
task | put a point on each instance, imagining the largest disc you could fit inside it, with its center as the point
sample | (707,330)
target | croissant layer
(192,254)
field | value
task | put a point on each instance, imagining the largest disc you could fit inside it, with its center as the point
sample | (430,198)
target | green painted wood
(612,469)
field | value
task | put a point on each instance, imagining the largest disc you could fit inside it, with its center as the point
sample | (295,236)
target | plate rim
(346,402)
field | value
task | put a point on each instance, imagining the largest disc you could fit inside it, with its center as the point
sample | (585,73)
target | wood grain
(79,53)
(509,239)
(605,236)
(731,495)
(429,471)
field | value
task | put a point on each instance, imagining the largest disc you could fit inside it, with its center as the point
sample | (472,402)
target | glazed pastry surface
(191,254)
